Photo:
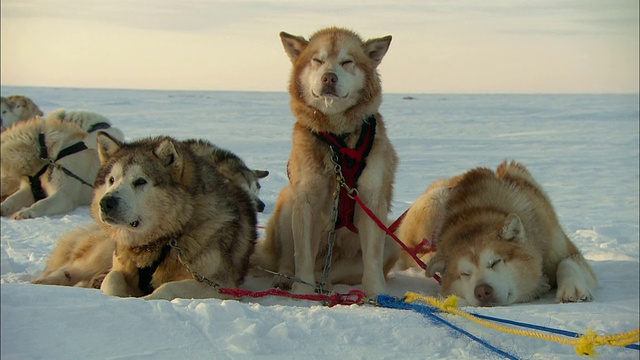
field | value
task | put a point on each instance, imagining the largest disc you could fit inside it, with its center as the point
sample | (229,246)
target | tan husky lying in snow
(499,241)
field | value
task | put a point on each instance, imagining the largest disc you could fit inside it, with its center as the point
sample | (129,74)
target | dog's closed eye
(139,182)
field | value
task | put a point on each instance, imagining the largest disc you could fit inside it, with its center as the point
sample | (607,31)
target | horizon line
(285,91)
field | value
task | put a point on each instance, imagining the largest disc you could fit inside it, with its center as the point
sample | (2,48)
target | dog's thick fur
(334,87)
(420,221)
(81,258)
(154,191)
(17,108)
(86,120)
(21,159)
(499,241)
(232,167)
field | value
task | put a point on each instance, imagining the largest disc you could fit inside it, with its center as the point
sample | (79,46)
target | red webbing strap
(394,237)
(353,297)
(352,162)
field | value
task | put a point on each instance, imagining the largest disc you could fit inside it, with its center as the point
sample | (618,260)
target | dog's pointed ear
(513,230)
(437,264)
(261,174)
(377,48)
(107,146)
(293,45)
(168,154)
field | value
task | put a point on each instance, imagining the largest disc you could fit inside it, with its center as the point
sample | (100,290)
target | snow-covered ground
(582,148)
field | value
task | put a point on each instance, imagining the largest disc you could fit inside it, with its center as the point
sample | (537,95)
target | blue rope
(541,328)
(430,312)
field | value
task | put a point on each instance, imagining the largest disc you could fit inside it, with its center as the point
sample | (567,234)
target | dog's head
(249,181)
(231,167)
(24,107)
(9,116)
(335,69)
(141,190)
(493,267)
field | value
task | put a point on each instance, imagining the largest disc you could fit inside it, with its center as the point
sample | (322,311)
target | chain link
(331,237)
(295,279)
(174,244)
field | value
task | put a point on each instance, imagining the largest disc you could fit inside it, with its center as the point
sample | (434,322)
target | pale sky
(441,46)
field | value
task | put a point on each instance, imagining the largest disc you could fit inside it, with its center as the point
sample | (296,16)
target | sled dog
(155,192)
(82,257)
(499,241)
(88,121)
(232,167)
(335,96)
(17,108)
(53,168)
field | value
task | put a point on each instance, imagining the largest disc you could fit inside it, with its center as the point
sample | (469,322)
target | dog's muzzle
(109,205)
(329,83)
(111,209)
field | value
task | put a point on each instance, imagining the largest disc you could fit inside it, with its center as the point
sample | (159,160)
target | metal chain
(331,237)
(295,279)
(342,182)
(174,244)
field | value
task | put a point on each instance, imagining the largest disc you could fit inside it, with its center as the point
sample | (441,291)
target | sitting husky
(335,98)
(46,169)
(499,241)
(167,215)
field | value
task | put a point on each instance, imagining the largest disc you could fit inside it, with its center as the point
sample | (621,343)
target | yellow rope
(585,345)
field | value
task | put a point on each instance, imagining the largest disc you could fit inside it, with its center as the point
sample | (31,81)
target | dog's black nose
(108,204)
(329,78)
(260,205)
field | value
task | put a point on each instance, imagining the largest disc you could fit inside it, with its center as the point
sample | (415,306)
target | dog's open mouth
(329,97)
(109,220)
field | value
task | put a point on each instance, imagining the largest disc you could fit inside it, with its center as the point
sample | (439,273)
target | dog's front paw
(23,215)
(576,281)
(571,292)
(282,283)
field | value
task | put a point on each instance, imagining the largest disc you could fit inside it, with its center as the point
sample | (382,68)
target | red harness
(352,162)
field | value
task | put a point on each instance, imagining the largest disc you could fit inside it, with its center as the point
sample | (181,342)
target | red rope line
(396,224)
(394,237)
(353,297)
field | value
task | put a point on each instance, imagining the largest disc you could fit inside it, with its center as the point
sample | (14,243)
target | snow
(582,148)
